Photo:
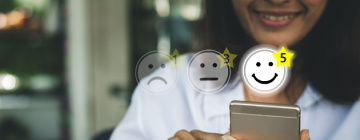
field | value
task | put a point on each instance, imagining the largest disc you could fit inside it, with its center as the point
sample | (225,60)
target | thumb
(304,135)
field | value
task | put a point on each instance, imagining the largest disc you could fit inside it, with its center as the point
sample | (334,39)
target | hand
(195,135)
(199,135)
(304,135)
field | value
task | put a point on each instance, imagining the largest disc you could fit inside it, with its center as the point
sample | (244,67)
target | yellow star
(226,58)
(283,57)
(176,60)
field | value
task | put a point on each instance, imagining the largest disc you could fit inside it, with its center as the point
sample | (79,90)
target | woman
(324,34)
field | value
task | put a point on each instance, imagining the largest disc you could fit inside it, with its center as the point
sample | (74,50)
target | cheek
(313,2)
(242,12)
(315,9)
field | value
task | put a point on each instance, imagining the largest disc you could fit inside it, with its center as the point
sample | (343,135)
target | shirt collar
(309,97)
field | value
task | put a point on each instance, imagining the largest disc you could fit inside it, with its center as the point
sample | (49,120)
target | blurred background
(67,66)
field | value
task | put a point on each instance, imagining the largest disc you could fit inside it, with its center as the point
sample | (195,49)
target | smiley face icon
(259,71)
(205,73)
(153,72)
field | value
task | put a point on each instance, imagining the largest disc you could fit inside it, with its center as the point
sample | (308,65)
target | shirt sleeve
(130,127)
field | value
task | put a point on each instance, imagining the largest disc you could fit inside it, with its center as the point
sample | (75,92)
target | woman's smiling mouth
(276,19)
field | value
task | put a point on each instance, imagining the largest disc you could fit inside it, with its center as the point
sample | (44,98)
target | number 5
(283,57)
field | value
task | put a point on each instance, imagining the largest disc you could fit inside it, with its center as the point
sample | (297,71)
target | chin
(276,41)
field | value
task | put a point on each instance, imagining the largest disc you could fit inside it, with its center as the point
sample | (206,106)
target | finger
(304,135)
(174,138)
(183,135)
(227,137)
(199,135)
(228,133)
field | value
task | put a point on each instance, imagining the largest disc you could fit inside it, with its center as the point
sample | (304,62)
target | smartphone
(264,121)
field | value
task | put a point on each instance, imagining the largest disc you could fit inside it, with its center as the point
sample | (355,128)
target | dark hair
(328,57)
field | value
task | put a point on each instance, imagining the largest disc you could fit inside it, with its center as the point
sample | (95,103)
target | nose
(278,1)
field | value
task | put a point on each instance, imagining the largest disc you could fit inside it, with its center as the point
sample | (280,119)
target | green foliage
(27,56)
(7,5)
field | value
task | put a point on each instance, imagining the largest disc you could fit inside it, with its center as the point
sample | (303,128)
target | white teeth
(273,17)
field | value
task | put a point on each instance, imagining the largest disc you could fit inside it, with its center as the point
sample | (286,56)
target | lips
(276,19)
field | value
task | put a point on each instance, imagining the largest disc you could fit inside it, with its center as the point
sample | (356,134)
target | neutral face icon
(205,74)
(154,74)
(260,73)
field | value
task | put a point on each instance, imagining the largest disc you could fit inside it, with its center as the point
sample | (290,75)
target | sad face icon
(154,74)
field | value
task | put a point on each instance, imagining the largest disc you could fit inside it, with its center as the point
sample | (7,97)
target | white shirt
(159,117)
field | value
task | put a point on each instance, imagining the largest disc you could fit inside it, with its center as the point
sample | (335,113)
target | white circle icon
(205,73)
(260,73)
(154,74)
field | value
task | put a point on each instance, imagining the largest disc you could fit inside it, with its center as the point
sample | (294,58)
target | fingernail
(228,137)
